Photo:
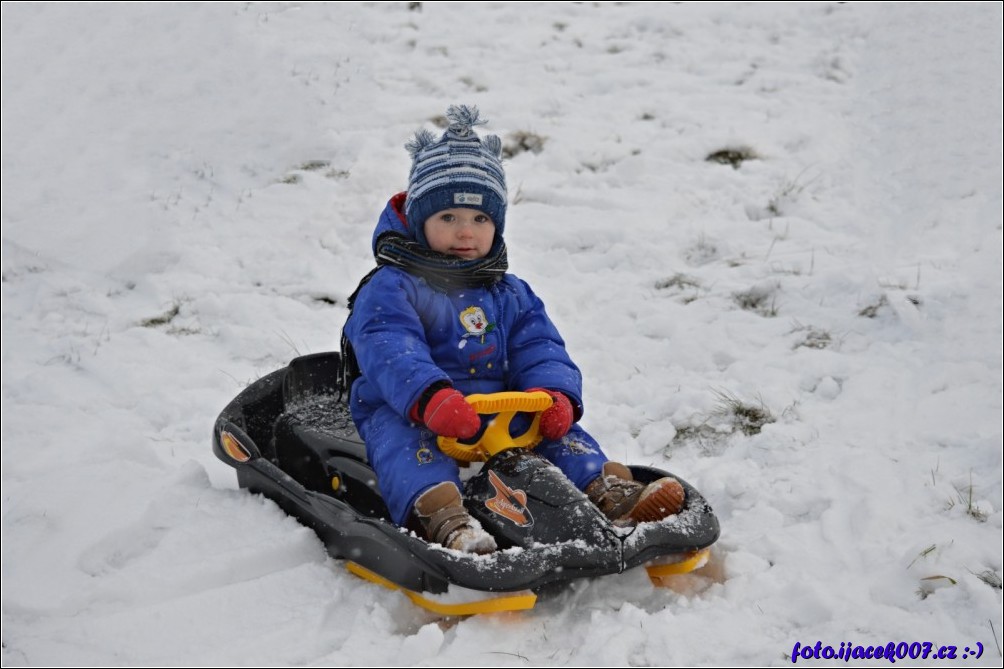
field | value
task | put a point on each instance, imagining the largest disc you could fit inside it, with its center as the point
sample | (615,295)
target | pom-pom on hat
(457,170)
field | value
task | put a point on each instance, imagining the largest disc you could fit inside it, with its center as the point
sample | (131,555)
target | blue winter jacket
(408,335)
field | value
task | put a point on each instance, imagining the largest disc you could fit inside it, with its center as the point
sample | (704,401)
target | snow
(187,201)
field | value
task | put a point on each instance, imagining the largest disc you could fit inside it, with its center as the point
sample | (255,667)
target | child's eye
(448,218)
(482,218)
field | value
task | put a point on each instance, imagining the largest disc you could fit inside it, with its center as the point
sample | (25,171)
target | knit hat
(457,170)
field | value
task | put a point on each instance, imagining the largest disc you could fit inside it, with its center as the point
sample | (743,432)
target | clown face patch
(475,324)
(474,321)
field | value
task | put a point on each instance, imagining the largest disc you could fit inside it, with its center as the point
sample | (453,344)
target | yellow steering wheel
(496,437)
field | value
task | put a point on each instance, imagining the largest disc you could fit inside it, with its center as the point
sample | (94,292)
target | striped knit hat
(457,170)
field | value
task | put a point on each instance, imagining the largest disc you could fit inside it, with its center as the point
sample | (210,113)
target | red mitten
(557,419)
(448,414)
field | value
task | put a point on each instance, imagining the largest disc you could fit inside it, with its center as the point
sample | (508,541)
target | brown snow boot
(626,501)
(446,521)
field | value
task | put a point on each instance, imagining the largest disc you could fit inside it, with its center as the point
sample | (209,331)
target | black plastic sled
(290,437)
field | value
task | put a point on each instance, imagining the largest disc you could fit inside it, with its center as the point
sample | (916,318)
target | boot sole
(663,500)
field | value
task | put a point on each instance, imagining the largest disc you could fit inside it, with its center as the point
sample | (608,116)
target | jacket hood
(392,219)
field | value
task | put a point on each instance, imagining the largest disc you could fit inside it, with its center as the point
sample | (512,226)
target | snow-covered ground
(188,196)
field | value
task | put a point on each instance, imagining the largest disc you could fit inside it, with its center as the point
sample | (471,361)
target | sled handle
(496,437)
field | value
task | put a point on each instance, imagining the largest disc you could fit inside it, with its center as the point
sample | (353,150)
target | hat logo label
(467,198)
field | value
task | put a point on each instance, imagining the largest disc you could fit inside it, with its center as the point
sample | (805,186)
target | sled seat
(312,376)
(315,439)
(315,412)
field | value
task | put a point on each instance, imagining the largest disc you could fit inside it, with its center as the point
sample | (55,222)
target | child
(441,319)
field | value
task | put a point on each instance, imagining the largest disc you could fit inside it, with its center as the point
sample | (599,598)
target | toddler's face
(467,233)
